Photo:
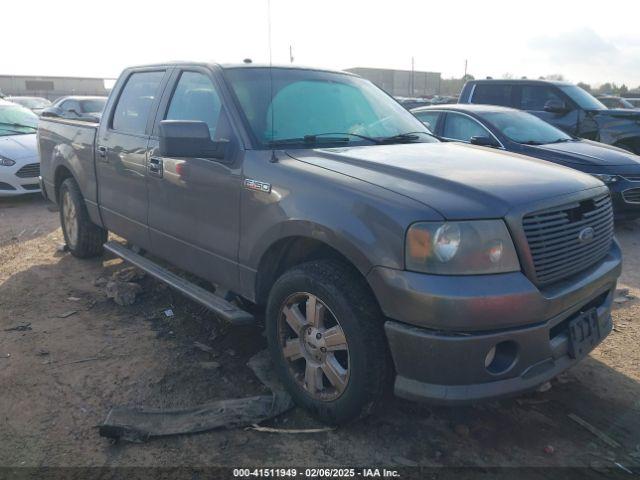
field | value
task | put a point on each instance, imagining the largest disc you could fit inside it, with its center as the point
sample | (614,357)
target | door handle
(155,166)
(102,153)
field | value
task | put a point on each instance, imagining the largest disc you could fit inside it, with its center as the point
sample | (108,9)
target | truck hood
(587,152)
(459,181)
(16,147)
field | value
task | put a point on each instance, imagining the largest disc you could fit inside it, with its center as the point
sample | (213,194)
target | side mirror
(483,141)
(50,112)
(556,106)
(189,138)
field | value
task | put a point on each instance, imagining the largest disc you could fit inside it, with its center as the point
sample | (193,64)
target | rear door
(533,98)
(121,156)
(194,203)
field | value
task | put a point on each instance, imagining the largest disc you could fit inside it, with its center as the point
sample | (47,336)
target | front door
(533,99)
(194,202)
(121,157)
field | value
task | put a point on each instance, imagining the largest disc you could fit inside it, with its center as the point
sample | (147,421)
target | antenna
(274,158)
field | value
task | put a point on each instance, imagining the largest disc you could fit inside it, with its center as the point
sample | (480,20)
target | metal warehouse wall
(401,83)
(51,87)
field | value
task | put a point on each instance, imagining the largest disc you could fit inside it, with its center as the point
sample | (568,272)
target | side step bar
(213,302)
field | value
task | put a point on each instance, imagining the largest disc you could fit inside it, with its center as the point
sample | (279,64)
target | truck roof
(181,63)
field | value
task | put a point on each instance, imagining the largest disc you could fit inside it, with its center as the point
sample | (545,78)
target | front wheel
(325,335)
(83,237)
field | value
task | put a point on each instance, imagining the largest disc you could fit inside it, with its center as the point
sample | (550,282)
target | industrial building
(53,87)
(402,83)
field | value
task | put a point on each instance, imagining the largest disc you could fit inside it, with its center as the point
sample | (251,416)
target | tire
(83,237)
(346,381)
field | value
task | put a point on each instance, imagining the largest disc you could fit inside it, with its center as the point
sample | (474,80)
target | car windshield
(93,106)
(17,120)
(30,102)
(583,98)
(303,108)
(522,127)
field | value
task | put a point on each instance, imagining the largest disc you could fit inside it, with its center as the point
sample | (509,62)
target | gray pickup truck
(378,254)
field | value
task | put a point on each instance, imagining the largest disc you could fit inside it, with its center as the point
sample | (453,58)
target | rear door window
(134,105)
(462,128)
(430,119)
(534,97)
(493,94)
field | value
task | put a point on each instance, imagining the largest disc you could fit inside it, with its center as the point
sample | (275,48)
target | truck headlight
(472,247)
(6,162)
(608,179)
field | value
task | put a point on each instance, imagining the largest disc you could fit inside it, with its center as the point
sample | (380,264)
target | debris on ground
(549,450)
(123,293)
(203,347)
(545,387)
(67,314)
(62,248)
(258,428)
(100,282)
(168,313)
(139,424)
(209,365)
(128,274)
(74,299)
(622,295)
(598,433)
(19,328)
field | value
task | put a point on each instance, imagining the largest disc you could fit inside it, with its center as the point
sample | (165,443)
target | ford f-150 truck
(379,254)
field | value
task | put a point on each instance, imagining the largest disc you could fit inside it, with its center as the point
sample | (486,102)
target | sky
(584,41)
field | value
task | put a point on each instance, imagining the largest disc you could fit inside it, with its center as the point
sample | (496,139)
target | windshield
(93,105)
(583,98)
(17,120)
(522,127)
(30,102)
(304,108)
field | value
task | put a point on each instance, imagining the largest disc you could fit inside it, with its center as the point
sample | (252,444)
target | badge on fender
(256,185)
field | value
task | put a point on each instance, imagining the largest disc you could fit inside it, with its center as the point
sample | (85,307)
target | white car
(19,161)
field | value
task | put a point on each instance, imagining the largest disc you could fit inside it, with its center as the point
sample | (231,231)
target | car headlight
(461,248)
(6,162)
(606,178)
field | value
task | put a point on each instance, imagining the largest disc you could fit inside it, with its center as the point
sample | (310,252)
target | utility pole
(412,83)
(465,68)
(290,53)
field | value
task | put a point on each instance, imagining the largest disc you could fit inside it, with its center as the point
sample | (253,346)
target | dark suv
(562,104)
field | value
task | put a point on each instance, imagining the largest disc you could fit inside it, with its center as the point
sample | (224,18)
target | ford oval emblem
(586,235)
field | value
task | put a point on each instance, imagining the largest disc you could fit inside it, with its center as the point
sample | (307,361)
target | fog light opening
(501,357)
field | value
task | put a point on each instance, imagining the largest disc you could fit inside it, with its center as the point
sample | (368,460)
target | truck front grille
(29,171)
(632,177)
(567,239)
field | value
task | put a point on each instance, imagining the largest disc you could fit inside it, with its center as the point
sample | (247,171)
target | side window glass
(430,119)
(459,127)
(493,94)
(134,105)
(195,98)
(534,97)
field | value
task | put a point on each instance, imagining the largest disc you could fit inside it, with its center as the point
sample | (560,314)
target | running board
(213,302)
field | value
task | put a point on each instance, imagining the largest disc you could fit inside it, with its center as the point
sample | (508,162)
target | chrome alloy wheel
(314,346)
(70,218)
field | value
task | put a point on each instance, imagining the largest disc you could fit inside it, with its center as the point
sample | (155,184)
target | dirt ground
(82,354)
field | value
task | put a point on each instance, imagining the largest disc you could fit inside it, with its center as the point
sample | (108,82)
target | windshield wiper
(405,137)
(531,142)
(563,140)
(20,125)
(313,139)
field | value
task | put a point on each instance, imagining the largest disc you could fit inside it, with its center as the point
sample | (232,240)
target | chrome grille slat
(29,171)
(632,195)
(553,237)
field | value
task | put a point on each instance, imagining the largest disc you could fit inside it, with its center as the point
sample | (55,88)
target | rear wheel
(325,334)
(83,237)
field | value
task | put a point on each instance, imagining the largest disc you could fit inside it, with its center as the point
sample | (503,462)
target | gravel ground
(78,354)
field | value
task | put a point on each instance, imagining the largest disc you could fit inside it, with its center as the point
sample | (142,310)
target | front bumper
(441,328)
(12,185)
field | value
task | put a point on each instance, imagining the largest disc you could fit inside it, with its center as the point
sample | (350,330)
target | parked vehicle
(634,101)
(566,106)
(19,164)
(411,102)
(77,108)
(314,195)
(611,101)
(520,132)
(35,104)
